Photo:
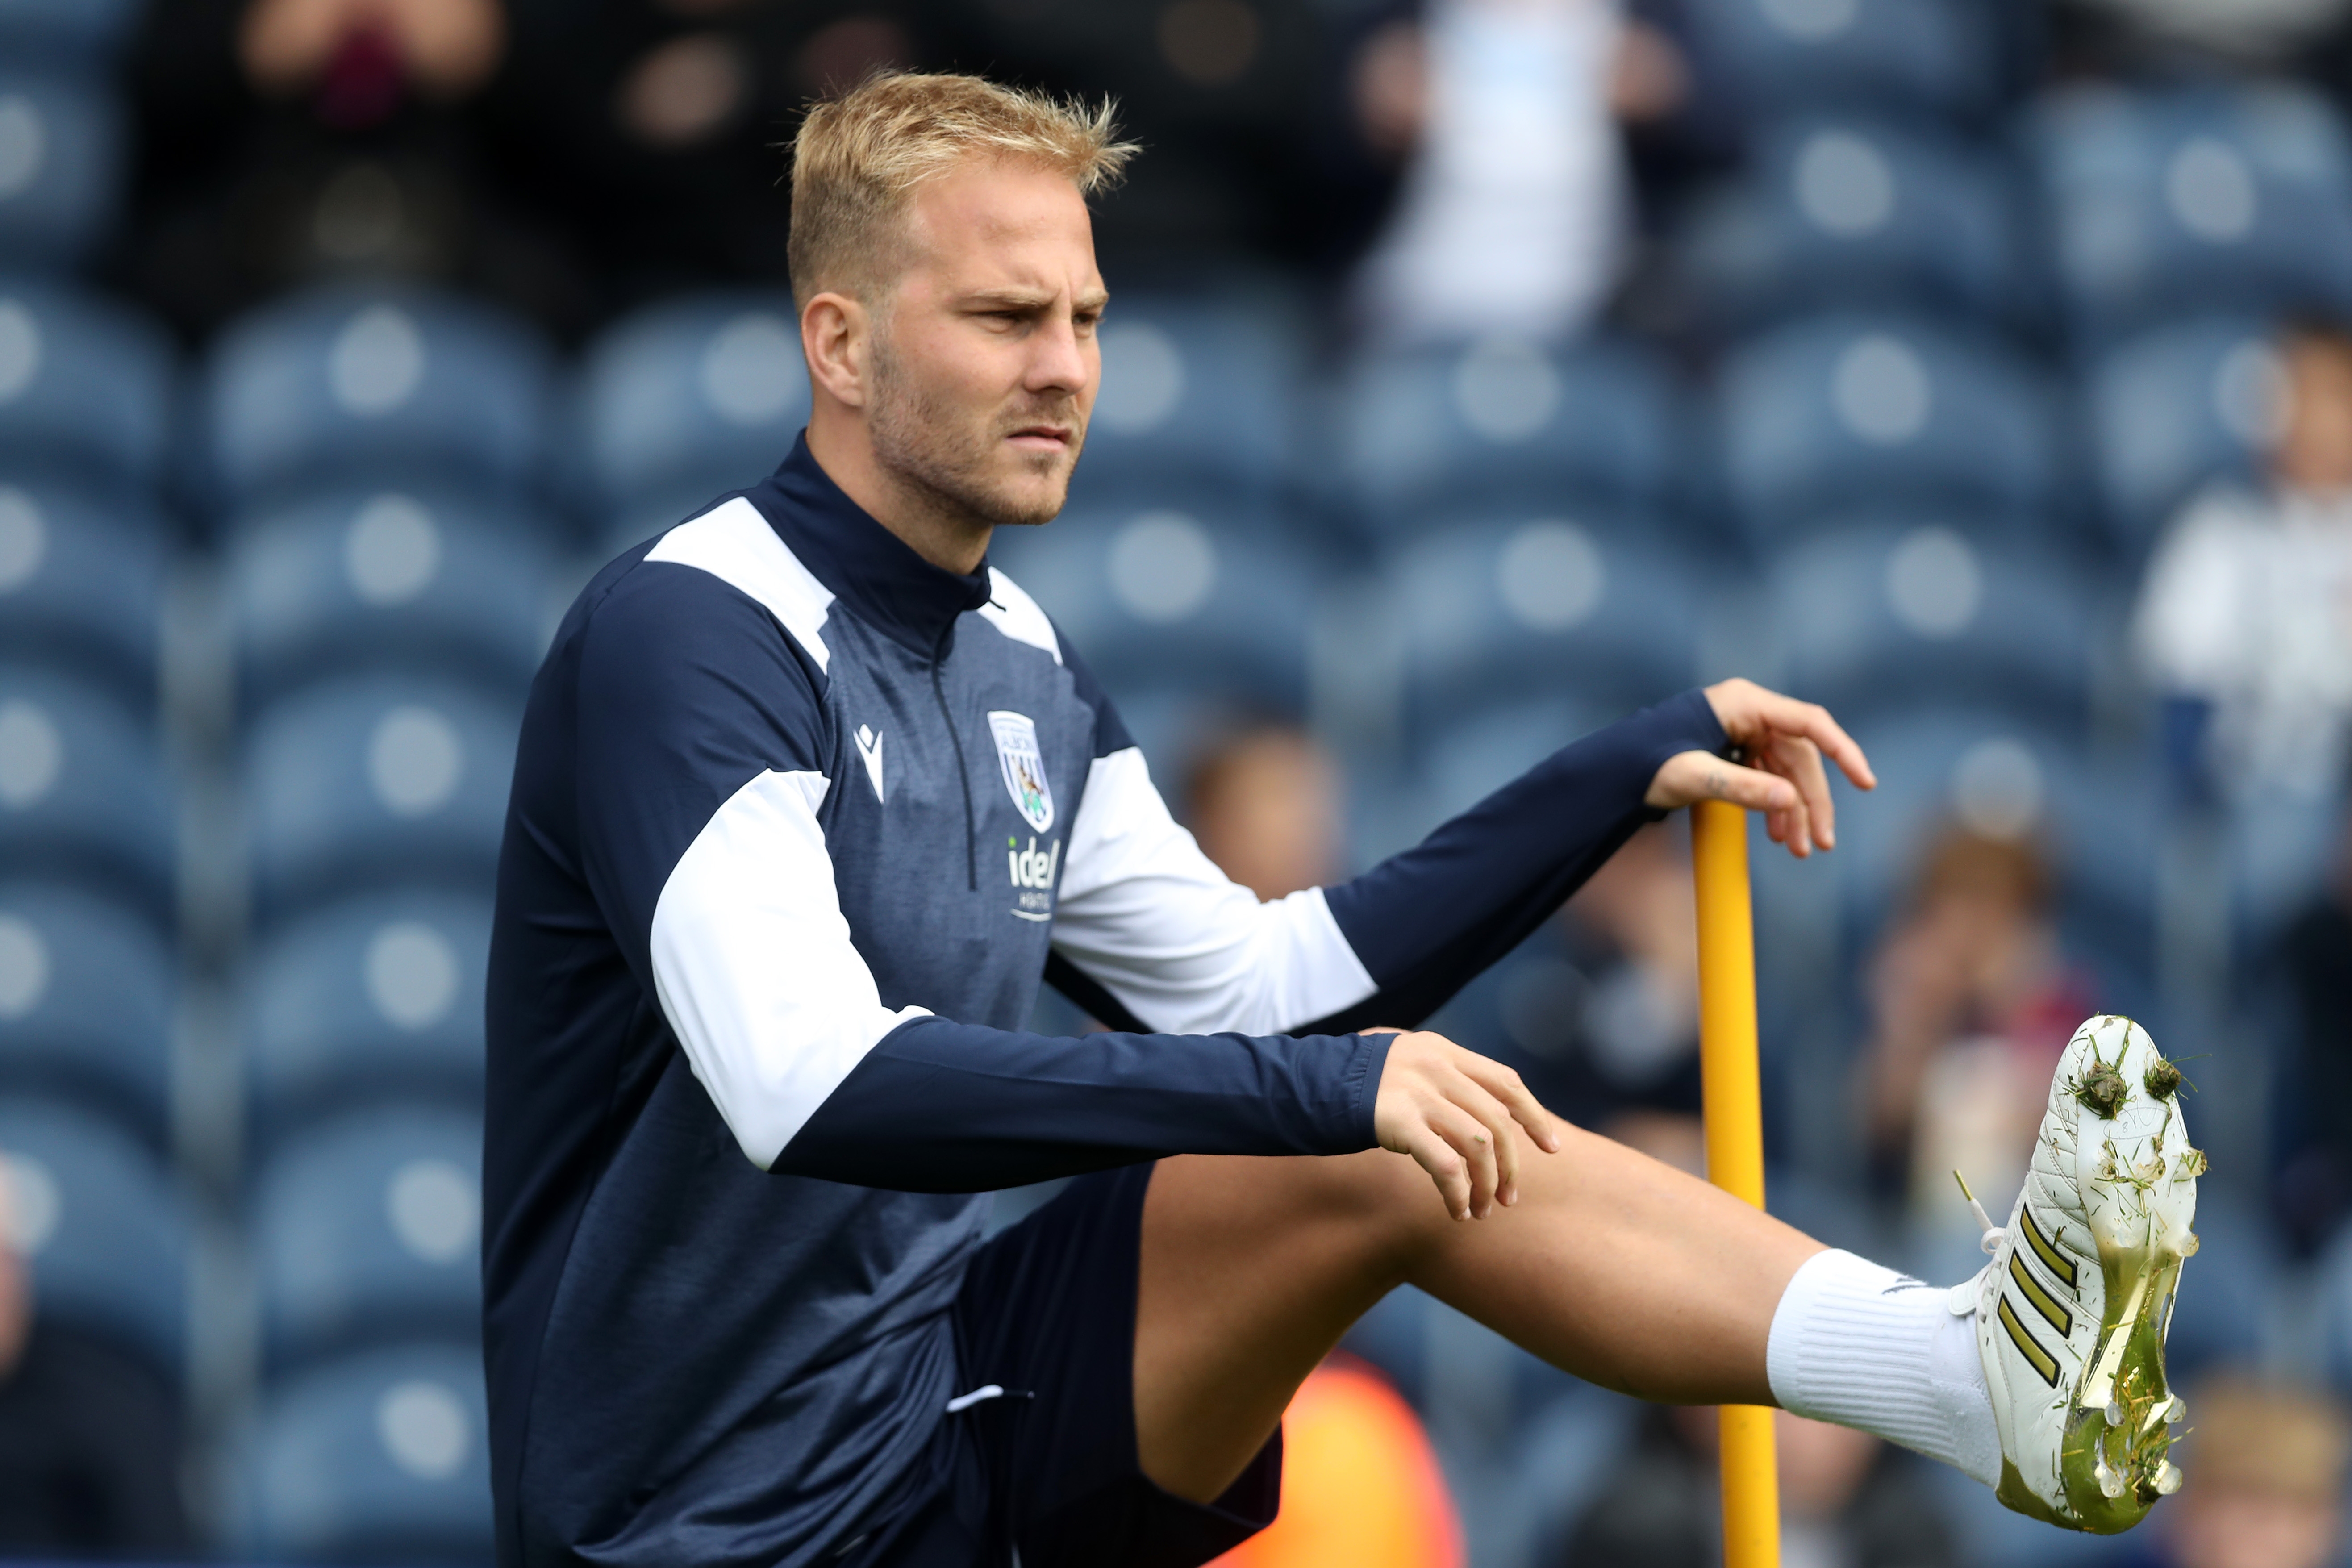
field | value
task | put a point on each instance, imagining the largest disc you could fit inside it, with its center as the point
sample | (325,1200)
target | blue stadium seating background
(266,616)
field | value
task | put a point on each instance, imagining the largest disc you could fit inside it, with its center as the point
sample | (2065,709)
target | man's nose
(1058,360)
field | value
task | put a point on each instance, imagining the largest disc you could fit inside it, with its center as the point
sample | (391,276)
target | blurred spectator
(1599,1010)
(2265,1488)
(1361,1485)
(1635,924)
(650,132)
(2245,621)
(1972,1002)
(1236,103)
(287,142)
(1514,215)
(2136,35)
(2314,961)
(1845,1500)
(89,1439)
(1264,805)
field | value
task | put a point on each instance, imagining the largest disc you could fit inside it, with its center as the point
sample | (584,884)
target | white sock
(1865,1347)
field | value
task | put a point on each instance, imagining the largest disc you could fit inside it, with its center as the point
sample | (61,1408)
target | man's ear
(836,339)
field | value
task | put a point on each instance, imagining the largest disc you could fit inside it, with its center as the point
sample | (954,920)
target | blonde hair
(858,158)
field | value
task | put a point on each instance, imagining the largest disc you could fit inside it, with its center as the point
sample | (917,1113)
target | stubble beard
(946,456)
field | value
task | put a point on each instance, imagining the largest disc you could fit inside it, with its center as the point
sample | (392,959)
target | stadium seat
(2198,200)
(102,1226)
(376,780)
(1860,212)
(1197,402)
(86,992)
(2004,776)
(1436,434)
(2174,409)
(687,400)
(64,29)
(1879,618)
(81,584)
(1201,610)
(85,387)
(367,1229)
(1863,409)
(367,578)
(61,164)
(1461,762)
(1922,58)
(1540,609)
(352,384)
(82,792)
(2062,534)
(377,998)
(380,1459)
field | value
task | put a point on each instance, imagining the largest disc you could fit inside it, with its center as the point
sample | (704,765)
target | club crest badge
(1025,769)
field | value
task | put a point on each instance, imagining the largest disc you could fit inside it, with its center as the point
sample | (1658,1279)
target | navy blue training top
(800,821)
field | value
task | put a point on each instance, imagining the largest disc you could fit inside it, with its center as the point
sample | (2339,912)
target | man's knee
(1376,1204)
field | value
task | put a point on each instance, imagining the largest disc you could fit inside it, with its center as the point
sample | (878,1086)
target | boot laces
(1992,1239)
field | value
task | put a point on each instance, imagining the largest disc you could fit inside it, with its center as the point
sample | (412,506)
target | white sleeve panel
(754,968)
(1187,950)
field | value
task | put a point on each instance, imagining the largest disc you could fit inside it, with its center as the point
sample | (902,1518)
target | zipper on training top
(963,774)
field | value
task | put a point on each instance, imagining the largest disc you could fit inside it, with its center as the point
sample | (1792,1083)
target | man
(2244,623)
(807,801)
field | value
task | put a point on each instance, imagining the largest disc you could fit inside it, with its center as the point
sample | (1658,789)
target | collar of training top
(867,567)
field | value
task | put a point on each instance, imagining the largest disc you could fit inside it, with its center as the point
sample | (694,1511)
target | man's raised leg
(2043,1377)
(1611,1266)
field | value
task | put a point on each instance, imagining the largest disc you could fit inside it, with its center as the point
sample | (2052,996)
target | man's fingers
(1811,720)
(1448,1169)
(1751,787)
(1475,1142)
(1517,1099)
(1459,1115)
(1800,761)
(1791,826)
(1502,1131)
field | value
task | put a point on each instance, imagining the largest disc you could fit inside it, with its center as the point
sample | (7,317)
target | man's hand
(1784,741)
(1458,1115)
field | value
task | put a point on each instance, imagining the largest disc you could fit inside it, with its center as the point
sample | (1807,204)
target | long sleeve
(1426,921)
(1150,932)
(703,746)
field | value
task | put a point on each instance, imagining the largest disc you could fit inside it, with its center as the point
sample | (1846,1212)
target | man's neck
(950,540)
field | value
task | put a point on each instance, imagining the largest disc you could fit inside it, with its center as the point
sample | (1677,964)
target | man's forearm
(938,1105)
(1425,923)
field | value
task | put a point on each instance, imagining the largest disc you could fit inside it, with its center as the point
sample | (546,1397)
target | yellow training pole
(1735,1140)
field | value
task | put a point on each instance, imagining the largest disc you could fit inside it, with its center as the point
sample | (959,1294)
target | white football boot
(2070,1315)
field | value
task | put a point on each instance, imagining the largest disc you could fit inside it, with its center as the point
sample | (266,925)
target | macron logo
(869,747)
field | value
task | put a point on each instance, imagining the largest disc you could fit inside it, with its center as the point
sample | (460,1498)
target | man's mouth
(1043,438)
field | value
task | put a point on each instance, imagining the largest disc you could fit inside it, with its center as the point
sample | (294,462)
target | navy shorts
(1049,1467)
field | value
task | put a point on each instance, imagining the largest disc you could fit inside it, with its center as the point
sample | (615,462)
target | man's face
(984,362)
